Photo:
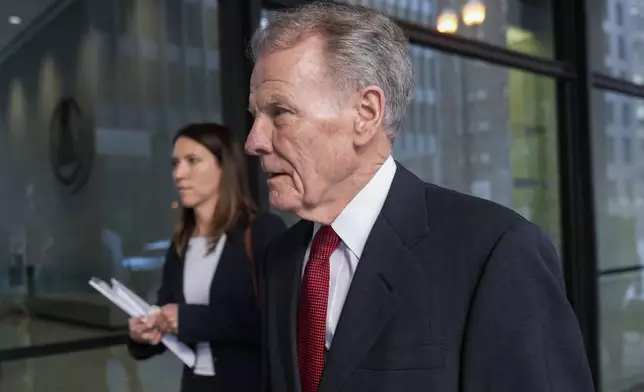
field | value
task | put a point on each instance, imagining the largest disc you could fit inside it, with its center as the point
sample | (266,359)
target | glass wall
(617,31)
(102,370)
(619,184)
(617,38)
(484,130)
(91,93)
(501,23)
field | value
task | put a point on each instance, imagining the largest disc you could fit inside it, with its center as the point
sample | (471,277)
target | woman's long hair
(235,204)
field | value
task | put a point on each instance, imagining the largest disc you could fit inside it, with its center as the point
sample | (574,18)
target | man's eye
(279,111)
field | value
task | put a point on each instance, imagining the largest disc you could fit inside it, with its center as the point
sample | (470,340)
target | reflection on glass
(618,163)
(105,370)
(502,23)
(484,130)
(617,38)
(621,305)
(447,22)
(619,173)
(137,72)
(17,330)
(474,12)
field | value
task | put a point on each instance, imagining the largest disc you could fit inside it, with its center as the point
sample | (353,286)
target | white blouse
(198,272)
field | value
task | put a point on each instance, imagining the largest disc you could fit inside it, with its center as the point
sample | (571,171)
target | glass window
(621,316)
(109,369)
(88,105)
(626,113)
(619,206)
(522,25)
(627,150)
(617,38)
(484,130)
(193,23)
(620,217)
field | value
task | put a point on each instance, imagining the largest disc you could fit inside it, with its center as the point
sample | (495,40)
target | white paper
(135,306)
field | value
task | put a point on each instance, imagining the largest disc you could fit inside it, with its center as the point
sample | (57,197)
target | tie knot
(324,243)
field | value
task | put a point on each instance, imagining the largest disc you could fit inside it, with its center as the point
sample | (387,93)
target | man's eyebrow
(273,100)
(278,98)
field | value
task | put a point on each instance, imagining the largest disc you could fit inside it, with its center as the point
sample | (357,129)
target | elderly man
(388,283)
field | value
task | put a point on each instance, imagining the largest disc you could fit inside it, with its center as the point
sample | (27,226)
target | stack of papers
(135,306)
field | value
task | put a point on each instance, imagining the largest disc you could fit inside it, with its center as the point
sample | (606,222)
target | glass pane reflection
(105,370)
(522,25)
(618,173)
(90,100)
(617,38)
(621,301)
(484,130)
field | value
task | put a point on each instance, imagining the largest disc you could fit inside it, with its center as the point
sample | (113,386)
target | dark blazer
(231,322)
(452,293)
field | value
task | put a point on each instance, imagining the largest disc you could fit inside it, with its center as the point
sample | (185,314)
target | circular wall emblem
(70,146)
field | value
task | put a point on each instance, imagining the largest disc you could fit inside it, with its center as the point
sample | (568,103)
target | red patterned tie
(311,316)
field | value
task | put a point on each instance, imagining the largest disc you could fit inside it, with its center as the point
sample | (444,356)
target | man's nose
(258,141)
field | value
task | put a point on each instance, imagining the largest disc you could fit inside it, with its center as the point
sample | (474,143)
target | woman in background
(208,295)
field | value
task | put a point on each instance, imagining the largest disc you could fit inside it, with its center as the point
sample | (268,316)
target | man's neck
(325,213)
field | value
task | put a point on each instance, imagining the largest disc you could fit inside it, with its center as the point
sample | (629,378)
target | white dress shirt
(200,268)
(353,226)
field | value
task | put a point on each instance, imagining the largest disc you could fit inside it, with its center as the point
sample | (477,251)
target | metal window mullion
(579,245)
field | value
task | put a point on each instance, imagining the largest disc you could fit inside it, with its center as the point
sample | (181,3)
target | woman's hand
(143,332)
(170,319)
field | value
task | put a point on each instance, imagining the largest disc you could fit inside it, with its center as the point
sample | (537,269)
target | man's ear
(370,106)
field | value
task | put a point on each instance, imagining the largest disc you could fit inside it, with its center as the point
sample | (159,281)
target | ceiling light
(447,22)
(15,20)
(473,13)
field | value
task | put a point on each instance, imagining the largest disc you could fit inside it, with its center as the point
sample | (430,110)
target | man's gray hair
(364,48)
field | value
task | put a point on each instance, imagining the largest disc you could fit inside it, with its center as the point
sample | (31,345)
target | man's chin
(284,204)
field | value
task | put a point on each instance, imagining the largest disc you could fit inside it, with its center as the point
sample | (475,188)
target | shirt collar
(354,223)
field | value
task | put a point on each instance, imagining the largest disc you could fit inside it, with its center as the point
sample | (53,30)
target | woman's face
(196,172)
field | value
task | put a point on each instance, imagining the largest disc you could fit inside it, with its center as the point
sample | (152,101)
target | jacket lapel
(385,273)
(178,262)
(231,256)
(284,290)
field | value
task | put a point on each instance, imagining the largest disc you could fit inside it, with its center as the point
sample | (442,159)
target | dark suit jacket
(231,322)
(452,293)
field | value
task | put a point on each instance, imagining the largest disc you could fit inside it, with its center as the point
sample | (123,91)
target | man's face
(303,132)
